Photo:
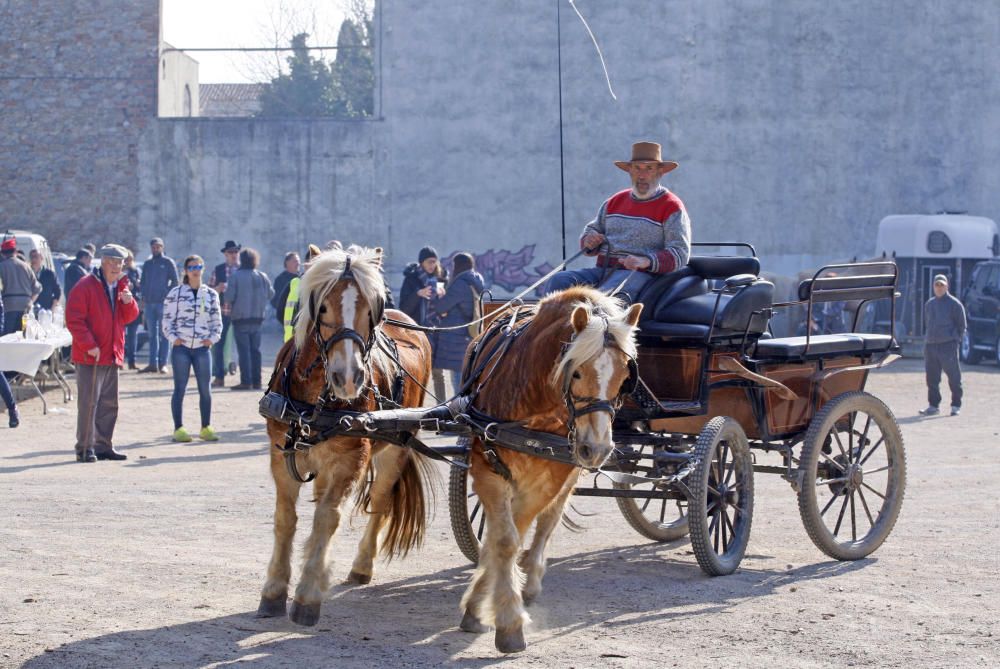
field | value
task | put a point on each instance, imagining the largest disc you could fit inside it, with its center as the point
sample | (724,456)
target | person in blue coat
(458,306)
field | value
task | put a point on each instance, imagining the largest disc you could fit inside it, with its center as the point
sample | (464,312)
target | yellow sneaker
(208,434)
(181,435)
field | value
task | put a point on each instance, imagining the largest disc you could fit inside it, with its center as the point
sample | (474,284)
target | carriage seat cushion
(691,316)
(692,279)
(851,343)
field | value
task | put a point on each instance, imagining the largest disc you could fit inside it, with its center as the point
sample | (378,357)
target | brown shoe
(218,383)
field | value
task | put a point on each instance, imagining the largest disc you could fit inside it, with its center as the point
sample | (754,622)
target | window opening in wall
(279,59)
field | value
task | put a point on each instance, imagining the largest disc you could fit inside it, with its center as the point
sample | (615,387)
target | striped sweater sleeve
(676,249)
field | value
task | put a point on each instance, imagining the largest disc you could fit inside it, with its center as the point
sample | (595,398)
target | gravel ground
(158,562)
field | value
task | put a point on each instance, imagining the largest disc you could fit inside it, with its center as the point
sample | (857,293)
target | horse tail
(410,507)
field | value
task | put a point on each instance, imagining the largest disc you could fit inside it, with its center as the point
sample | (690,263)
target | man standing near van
(159,275)
(944,321)
(19,285)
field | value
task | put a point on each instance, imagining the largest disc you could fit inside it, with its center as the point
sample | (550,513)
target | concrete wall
(77,88)
(272,185)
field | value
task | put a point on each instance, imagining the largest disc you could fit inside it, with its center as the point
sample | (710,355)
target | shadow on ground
(417,617)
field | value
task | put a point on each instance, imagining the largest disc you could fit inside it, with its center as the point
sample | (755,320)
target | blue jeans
(247,337)
(183,359)
(592,276)
(159,347)
(131,338)
(218,351)
(6,395)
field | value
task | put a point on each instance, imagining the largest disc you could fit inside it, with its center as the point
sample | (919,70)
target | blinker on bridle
(344,332)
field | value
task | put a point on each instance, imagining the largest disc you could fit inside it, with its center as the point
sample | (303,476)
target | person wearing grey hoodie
(248,292)
(457,307)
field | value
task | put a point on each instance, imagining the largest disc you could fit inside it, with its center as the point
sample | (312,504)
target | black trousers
(938,358)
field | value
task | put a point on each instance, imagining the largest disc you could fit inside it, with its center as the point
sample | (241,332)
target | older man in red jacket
(97,311)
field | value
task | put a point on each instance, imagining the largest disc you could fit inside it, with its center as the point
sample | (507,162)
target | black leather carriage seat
(850,343)
(681,305)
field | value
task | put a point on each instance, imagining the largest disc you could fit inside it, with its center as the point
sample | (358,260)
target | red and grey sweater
(657,228)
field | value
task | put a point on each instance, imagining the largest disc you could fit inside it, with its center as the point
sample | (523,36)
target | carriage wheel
(657,519)
(468,521)
(853,474)
(720,508)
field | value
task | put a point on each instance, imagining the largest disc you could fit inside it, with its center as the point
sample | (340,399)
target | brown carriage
(718,399)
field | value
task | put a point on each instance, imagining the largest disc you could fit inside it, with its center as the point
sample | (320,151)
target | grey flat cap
(114,251)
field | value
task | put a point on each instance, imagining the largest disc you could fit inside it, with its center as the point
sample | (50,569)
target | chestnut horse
(337,360)
(574,354)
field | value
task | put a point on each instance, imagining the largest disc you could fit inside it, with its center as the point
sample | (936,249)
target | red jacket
(89,319)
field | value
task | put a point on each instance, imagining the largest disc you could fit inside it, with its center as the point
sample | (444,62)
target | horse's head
(595,372)
(342,302)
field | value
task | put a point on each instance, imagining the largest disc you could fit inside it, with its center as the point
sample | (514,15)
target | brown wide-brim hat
(646,152)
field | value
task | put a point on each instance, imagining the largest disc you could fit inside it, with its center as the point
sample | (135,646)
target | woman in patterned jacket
(192,321)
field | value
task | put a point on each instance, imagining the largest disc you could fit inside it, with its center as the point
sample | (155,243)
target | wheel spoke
(729,522)
(854,521)
(718,530)
(850,435)
(730,471)
(864,433)
(840,518)
(713,491)
(475,511)
(873,490)
(482,528)
(873,448)
(840,444)
(880,469)
(823,482)
(645,505)
(828,505)
(864,503)
(725,533)
(833,462)
(663,511)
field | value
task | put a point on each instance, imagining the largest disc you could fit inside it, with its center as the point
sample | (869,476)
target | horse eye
(322,309)
(577,375)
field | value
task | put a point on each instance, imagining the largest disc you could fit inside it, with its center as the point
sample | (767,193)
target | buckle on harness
(487,436)
(301,446)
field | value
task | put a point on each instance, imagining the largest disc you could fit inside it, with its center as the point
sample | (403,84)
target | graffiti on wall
(505,269)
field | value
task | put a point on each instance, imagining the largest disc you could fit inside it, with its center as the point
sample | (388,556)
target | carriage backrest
(846,288)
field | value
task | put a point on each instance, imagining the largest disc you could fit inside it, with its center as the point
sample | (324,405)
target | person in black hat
(220,277)
(423,284)
(159,275)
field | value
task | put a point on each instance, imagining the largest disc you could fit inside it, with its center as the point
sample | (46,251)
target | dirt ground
(158,562)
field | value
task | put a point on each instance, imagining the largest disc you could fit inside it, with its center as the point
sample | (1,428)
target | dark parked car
(982,307)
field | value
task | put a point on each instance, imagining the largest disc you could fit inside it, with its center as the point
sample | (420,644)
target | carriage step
(652,407)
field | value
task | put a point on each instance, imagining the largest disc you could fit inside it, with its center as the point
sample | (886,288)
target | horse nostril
(585,452)
(338,379)
(359,378)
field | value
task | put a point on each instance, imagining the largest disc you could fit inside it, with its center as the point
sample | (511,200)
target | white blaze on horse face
(346,358)
(605,368)
(593,430)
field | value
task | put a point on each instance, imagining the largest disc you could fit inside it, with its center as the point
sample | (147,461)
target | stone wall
(77,89)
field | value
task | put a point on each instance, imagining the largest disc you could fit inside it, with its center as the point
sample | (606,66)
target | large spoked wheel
(468,521)
(720,508)
(853,474)
(657,519)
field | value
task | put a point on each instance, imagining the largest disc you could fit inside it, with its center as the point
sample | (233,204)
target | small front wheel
(852,474)
(967,353)
(720,508)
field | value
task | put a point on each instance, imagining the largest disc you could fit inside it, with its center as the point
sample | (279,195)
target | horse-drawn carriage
(670,405)
(715,395)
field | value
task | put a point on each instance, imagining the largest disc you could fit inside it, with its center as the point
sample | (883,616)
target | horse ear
(580,318)
(633,313)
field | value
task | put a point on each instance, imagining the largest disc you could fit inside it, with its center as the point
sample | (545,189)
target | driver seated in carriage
(639,234)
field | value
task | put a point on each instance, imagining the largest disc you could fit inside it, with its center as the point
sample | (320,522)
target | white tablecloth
(24,356)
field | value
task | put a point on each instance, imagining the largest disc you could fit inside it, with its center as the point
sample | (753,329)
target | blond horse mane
(607,317)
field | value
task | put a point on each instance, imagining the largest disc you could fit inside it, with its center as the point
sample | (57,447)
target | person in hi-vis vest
(292,301)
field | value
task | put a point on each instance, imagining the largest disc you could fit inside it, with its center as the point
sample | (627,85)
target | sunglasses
(195,268)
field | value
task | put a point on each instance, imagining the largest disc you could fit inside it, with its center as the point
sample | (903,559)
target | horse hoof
(358,578)
(271,608)
(304,614)
(470,623)
(510,641)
